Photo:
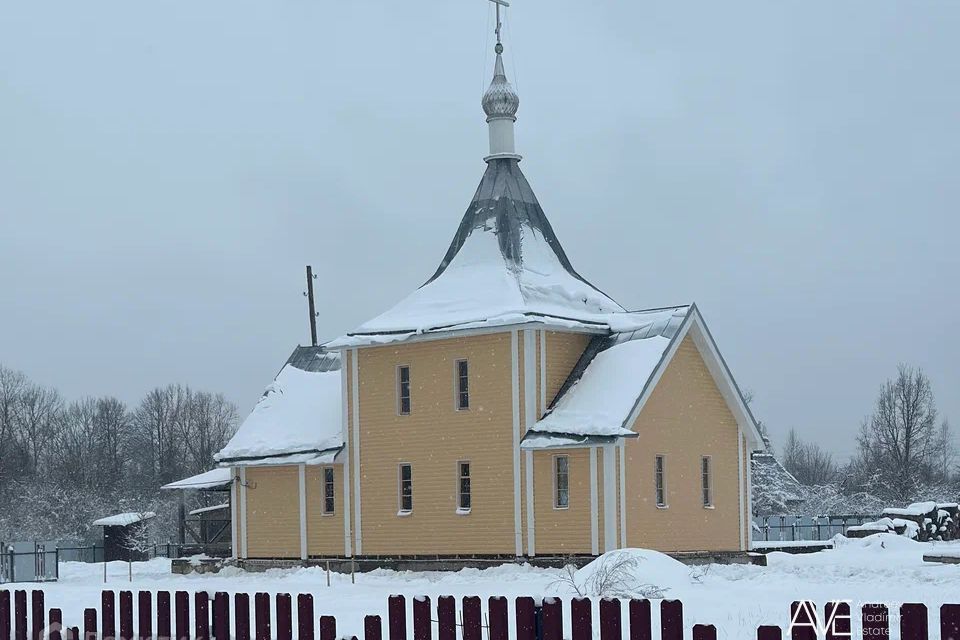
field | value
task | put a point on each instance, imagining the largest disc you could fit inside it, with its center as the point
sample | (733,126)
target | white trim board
(594,505)
(355,442)
(515,385)
(347,503)
(609,498)
(623,493)
(243,512)
(302,478)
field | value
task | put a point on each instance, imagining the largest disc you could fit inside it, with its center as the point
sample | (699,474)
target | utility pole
(313,312)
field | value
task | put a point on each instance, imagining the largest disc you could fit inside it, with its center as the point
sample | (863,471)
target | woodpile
(921,521)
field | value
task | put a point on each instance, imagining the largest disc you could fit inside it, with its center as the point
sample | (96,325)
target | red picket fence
(166,618)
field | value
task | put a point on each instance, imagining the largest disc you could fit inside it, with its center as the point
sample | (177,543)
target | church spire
(500,103)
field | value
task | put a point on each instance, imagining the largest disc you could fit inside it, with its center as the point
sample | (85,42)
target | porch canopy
(218,479)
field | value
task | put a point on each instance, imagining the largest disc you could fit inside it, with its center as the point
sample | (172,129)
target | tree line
(65,463)
(905,450)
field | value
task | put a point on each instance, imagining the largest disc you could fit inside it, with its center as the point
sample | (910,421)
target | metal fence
(793,528)
(28,562)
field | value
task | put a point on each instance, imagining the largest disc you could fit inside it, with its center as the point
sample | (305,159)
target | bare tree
(12,385)
(899,441)
(38,417)
(809,464)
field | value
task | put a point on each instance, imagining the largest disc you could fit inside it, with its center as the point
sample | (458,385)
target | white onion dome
(500,100)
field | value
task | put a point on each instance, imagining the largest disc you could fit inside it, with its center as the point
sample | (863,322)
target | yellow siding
(324,532)
(563,351)
(273,512)
(685,418)
(562,531)
(433,438)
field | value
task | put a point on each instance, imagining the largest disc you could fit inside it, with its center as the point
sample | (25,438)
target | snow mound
(628,573)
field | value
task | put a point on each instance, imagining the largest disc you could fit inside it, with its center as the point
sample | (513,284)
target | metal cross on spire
(499,3)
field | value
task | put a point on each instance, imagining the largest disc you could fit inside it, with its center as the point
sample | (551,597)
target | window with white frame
(659,480)
(463,385)
(329,492)
(463,486)
(561,482)
(405,488)
(705,481)
(403,390)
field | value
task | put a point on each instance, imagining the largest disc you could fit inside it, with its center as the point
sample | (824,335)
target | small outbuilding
(125,536)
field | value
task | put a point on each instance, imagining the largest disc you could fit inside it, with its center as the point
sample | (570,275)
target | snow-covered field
(736,598)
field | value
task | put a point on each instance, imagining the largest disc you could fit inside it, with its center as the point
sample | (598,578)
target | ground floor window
(406,488)
(705,481)
(463,486)
(659,480)
(561,482)
(329,492)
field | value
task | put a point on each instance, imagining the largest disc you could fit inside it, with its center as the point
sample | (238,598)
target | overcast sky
(168,168)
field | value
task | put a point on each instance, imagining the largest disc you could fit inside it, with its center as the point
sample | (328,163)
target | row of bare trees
(62,463)
(905,451)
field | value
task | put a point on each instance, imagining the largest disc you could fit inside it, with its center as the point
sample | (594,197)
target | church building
(506,408)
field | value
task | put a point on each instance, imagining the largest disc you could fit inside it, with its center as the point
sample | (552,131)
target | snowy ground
(736,598)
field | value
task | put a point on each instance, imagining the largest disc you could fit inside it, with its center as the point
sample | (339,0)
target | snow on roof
(504,266)
(124,519)
(914,510)
(212,479)
(606,384)
(216,507)
(298,414)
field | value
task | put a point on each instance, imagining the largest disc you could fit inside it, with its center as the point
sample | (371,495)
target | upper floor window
(463,486)
(329,496)
(705,483)
(463,385)
(561,483)
(403,390)
(406,488)
(659,481)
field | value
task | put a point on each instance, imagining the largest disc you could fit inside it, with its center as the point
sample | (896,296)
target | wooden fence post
(641,627)
(328,628)
(950,622)
(181,605)
(552,619)
(526,619)
(108,618)
(447,618)
(89,624)
(305,624)
(126,615)
(768,632)
(37,617)
(221,616)
(421,618)
(75,633)
(611,627)
(875,620)
(20,614)
(836,615)
(803,618)
(241,616)
(498,618)
(704,632)
(262,627)
(472,618)
(145,615)
(913,622)
(201,616)
(396,618)
(164,628)
(54,625)
(284,616)
(671,620)
(372,628)
(5,627)
(581,619)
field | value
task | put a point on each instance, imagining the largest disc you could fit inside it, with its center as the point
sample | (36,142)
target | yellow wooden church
(506,408)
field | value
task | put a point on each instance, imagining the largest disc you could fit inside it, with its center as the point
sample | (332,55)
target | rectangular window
(561,483)
(403,390)
(705,481)
(463,486)
(659,481)
(329,497)
(406,488)
(463,388)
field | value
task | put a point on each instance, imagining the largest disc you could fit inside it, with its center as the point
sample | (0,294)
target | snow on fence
(171,618)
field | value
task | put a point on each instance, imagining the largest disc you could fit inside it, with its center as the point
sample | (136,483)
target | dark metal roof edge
(281,455)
